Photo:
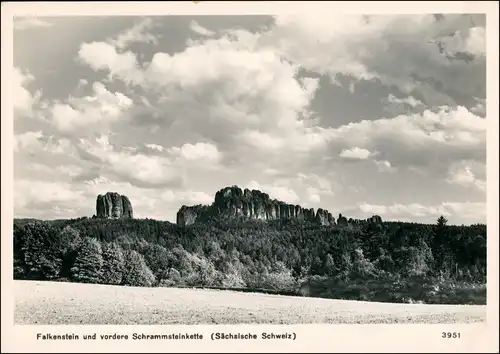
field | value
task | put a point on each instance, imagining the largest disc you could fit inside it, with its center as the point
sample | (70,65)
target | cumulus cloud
(476,41)
(102,107)
(384,166)
(27,141)
(82,83)
(480,107)
(320,184)
(410,101)
(462,173)
(167,167)
(313,195)
(198,151)
(114,55)
(267,112)
(23,99)
(414,52)
(276,191)
(35,142)
(355,153)
(104,56)
(307,188)
(230,89)
(155,147)
(139,33)
(138,169)
(263,140)
(32,198)
(419,139)
(242,108)
(195,27)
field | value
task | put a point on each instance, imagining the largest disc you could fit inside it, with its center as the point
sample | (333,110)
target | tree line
(276,255)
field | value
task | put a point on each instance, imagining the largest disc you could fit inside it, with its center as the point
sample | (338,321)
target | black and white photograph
(250,169)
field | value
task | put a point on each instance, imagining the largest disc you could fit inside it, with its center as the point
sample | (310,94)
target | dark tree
(113,264)
(136,271)
(441,222)
(89,262)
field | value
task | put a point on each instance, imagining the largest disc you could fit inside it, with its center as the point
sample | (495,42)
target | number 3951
(450,334)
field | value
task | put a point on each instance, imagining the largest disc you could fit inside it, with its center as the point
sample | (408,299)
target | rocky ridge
(235,203)
(113,205)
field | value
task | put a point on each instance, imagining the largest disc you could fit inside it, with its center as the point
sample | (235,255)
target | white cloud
(476,41)
(195,27)
(276,127)
(127,164)
(313,195)
(104,56)
(229,88)
(316,184)
(306,189)
(29,141)
(23,99)
(155,147)
(355,153)
(24,23)
(264,141)
(225,65)
(97,181)
(418,138)
(136,168)
(276,191)
(137,34)
(33,142)
(384,166)
(198,151)
(480,107)
(32,194)
(462,173)
(238,110)
(410,100)
(472,212)
(90,111)
(82,83)
(390,48)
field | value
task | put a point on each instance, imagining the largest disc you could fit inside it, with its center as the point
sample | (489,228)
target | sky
(356,114)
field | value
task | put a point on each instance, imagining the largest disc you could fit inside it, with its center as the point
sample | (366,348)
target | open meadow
(57,303)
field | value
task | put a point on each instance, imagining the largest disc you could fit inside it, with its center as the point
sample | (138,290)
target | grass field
(70,303)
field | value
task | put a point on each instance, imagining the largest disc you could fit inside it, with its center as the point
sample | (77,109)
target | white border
(310,338)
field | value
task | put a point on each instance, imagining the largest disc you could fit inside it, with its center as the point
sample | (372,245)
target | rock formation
(188,215)
(342,220)
(113,205)
(375,219)
(323,217)
(234,203)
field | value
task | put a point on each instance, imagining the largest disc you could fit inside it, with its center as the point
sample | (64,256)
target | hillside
(62,303)
(343,259)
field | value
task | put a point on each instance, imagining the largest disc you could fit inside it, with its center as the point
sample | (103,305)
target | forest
(369,260)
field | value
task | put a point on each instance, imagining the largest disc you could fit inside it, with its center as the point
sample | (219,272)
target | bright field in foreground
(70,303)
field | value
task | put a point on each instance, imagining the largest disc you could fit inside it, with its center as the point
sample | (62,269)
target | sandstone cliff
(188,215)
(234,203)
(113,205)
